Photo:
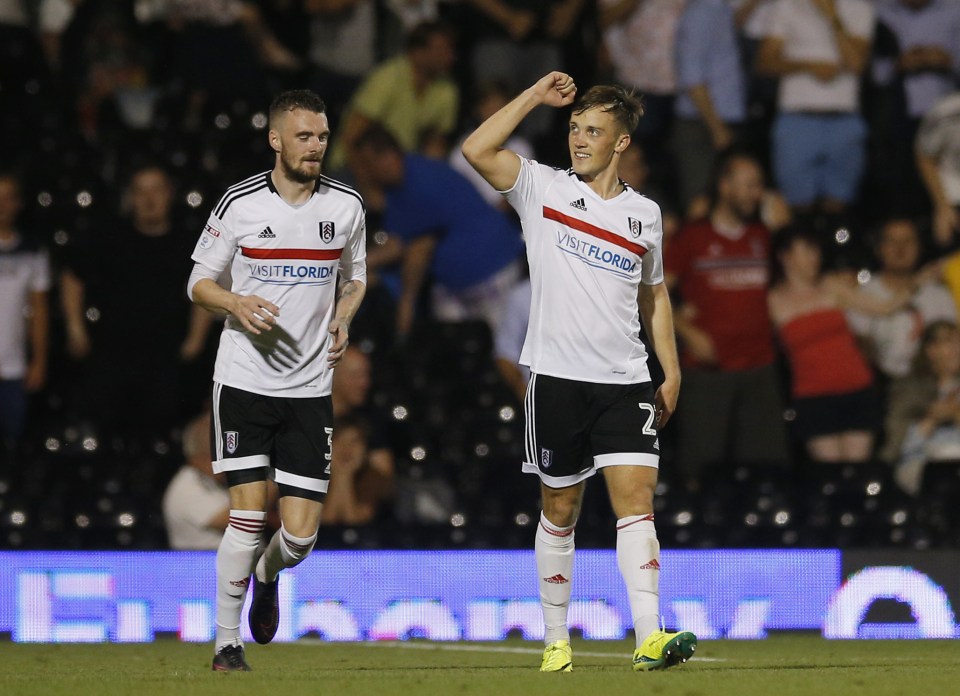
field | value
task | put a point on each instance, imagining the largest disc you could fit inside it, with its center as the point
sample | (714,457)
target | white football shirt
(291,256)
(587,258)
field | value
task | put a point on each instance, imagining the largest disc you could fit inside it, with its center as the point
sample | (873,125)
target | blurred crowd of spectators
(805,155)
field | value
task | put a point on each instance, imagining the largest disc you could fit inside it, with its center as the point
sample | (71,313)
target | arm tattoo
(349,296)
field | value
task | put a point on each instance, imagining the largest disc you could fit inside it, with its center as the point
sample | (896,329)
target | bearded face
(300,140)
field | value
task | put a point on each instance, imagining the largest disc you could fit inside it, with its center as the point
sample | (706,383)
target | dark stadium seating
(452,418)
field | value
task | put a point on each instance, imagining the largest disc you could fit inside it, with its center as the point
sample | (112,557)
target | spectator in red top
(833,393)
(730,407)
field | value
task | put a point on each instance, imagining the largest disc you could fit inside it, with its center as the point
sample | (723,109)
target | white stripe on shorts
(217,430)
(558,481)
(530,430)
(627,459)
(305,482)
(237,463)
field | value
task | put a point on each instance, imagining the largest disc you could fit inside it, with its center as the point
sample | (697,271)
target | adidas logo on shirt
(267,234)
(579,204)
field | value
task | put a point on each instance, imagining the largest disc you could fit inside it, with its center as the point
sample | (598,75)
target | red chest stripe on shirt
(593,230)
(308,254)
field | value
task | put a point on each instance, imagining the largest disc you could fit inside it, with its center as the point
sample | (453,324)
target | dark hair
(897,220)
(785,238)
(729,158)
(423,32)
(921,364)
(145,165)
(378,139)
(296,99)
(724,167)
(625,105)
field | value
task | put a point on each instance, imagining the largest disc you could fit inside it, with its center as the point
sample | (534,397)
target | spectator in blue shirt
(439,228)
(711,97)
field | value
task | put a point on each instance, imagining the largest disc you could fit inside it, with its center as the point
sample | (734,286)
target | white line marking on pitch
(460,647)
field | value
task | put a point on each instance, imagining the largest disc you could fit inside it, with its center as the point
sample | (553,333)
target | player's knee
(249,496)
(636,501)
(562,511)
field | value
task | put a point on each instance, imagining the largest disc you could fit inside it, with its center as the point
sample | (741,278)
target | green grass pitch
(785,665)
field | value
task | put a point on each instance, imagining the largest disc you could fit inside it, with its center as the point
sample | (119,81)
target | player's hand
(666,400)
(255,313)
(340,332)
(556,89)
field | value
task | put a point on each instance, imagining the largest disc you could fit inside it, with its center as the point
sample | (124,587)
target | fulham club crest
(634,227)
(230,440)
(327,231)
(546,457)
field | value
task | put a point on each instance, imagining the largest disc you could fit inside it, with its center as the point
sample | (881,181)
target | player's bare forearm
(212,297)
(349,296)
(657,314)
(254,313)
(483,148)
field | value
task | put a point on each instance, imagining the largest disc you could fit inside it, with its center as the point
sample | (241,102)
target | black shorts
(252,432)
(837,413)
(574,428)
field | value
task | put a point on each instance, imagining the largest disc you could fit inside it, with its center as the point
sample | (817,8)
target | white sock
(554,551)
(283,551)
(638,555)
(235,557)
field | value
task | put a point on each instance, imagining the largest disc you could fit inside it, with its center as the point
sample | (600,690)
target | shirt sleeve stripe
(234,193)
